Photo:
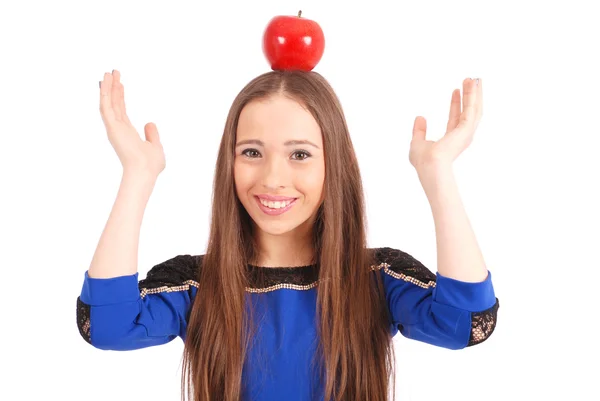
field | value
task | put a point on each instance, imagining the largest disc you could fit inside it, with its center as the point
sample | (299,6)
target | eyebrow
(288,143)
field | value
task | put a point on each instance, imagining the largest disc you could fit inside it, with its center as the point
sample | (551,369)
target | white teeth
(275,205)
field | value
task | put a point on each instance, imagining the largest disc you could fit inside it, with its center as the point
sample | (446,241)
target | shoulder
(176,271)
(401,265)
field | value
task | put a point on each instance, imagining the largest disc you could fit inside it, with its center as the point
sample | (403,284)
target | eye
(251,153)
(304,153)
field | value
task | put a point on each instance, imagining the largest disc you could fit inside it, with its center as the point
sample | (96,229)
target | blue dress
(122,313)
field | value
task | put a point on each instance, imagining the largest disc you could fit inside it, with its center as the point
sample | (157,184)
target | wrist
(138,180)
(139,175)
(434,178)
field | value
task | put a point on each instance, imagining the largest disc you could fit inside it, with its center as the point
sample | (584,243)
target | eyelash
(304,152)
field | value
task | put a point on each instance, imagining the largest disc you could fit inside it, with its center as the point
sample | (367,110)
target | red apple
(293,43)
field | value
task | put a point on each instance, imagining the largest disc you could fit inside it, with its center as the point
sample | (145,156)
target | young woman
(288,302)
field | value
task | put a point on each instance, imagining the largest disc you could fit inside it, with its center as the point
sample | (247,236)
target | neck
(294,248)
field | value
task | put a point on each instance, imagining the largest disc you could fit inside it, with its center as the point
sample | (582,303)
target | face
(279,165)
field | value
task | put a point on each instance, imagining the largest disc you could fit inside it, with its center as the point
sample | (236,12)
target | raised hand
(459,131)
(134,153)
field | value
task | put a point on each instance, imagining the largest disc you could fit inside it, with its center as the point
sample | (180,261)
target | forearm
(458,253)
(117,250)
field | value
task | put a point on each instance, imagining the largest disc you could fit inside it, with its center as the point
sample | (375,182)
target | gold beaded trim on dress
(402,276)
(283,285)
(188,283)
(385,266)
(184,287)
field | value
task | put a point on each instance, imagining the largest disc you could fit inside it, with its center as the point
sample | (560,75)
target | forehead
(277,119)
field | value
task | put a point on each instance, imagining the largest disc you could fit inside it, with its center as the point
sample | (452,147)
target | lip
(274,198)
(275,212)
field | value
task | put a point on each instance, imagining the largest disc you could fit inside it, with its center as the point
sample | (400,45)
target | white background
(529,181)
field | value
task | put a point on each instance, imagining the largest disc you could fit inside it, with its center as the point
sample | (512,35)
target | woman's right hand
(134,153)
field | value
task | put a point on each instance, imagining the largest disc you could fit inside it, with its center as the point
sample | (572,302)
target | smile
(274,208)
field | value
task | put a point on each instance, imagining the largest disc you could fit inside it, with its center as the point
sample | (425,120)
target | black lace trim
(403,263)
(83,320)
(483,324)
(262,277)
(173,272)
(178,270)
(181,268)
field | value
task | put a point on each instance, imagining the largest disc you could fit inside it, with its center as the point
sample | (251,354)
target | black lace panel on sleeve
(173,272)
(483,324)
(403,263)
(83,320)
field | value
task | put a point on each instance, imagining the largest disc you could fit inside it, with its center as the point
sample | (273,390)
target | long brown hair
(355,347)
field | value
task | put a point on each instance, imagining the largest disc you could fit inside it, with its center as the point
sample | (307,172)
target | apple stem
(300,14)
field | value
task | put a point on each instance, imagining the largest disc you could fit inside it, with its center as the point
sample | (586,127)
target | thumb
(152,133)
(420,128)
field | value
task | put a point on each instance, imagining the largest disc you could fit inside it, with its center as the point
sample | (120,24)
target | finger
(116,95)
(106,110)
(121,98)
(467,117)
(151,133)
(420,128)
(454,110)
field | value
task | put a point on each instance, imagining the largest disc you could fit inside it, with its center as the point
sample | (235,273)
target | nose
(274,174)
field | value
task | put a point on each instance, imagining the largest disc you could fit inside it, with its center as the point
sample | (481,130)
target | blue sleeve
(435,309)
(121,313)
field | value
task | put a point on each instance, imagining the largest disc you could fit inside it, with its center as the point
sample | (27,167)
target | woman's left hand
(461,127)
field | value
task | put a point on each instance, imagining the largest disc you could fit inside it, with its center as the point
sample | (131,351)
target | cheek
(241,178)
(312,184)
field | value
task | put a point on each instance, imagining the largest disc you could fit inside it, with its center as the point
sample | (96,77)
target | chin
(276,227)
